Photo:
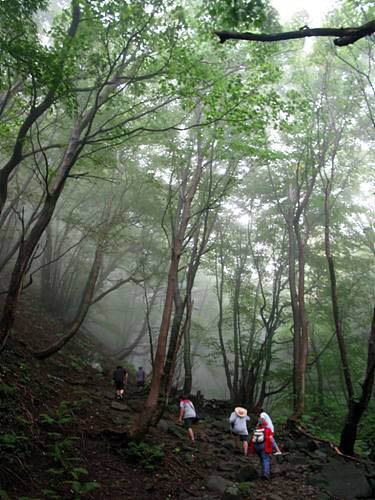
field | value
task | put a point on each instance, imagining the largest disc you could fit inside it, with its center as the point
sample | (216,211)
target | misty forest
(188,187)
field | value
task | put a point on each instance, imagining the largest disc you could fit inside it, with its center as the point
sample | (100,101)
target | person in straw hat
(238,422)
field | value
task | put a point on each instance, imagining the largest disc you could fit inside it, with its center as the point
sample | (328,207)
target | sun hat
(240,412)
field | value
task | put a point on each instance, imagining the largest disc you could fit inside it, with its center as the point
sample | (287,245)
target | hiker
(120,378)
(262,444)
(262,414)
(188,415)
(140,377)
(238,422)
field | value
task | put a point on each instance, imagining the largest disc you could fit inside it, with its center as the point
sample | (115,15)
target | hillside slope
(63,434)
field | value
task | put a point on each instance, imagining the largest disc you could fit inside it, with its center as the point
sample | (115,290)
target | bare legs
(241,446)
(191,434)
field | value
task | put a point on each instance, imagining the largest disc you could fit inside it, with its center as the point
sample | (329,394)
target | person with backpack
(262,414)
(238,422)
(188,415)
(262,444)
(120,378)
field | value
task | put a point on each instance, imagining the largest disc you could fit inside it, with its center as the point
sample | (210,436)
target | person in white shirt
(188,415)
(267,418)
(238,422)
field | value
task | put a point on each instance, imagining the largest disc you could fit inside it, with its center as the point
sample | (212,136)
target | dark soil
(62,433)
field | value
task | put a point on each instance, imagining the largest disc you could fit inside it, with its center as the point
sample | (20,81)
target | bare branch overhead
(346,36)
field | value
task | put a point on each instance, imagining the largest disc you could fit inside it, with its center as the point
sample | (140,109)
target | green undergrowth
(145,454)
(41,437)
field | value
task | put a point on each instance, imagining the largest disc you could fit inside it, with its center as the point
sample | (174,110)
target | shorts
(141,383)
(243,437)
(119,384)
(188,422)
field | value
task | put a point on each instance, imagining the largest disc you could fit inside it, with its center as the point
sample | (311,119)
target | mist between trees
(202,209)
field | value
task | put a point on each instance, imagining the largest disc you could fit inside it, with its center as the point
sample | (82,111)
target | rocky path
(212,469)
(308,468)
(218,470)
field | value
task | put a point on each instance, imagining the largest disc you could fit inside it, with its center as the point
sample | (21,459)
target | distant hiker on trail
(140,377)
(262,444)
(238,422)
(188,415)
(120,378)
(262,414)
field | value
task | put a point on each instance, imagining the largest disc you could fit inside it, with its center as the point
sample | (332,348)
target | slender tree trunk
(296,317)
(45,275)
(188,380)
(236,346)
(219,275)
(146,327)
(304,335)
(319,372)
(179,307)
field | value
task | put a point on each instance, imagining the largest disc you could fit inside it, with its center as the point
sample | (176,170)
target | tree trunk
(319,373)
(296,318)
(142,424)
(219,276)
(188,380)
(179,307)
(304,335)
(146,327)
(45,274)
(236,332)
(357,408)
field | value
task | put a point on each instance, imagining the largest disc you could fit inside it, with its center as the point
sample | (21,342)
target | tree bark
(319,372)
(143,423)
(357,408)
(219,277)
(188,379)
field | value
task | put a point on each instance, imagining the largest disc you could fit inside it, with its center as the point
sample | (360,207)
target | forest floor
(61,433)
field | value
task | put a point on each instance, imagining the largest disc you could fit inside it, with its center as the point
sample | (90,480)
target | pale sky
(316,9)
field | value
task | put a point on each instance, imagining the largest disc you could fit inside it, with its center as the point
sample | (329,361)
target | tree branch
(346,36)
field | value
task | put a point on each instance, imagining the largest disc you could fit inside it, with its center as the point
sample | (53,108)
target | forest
(196,199)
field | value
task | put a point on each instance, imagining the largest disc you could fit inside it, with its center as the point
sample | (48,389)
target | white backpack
(258,436)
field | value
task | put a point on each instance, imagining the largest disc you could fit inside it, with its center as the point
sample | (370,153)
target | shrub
(147,455)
